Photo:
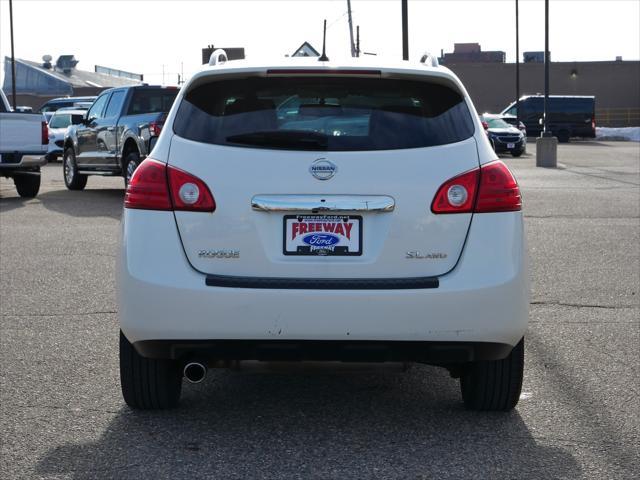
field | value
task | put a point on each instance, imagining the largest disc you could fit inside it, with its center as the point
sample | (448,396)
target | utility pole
(358,41)
(353,46)
(405,31)
(517,69)
(13,59)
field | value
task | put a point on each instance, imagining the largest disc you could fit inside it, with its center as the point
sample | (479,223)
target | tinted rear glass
(324,113)
(152,100)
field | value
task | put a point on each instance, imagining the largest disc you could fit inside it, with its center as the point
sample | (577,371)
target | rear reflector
(490,188)
(156,186)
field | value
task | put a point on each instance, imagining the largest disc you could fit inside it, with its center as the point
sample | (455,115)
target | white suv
(317,211)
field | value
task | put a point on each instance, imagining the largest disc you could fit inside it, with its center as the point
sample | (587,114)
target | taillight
(44,133)
(189,192)
(157,186)
(490,188)
(155,128)
(457,195)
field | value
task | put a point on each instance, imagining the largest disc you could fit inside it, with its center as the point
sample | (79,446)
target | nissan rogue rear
(308,211)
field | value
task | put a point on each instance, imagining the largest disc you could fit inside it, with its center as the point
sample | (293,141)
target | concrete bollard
(547,152)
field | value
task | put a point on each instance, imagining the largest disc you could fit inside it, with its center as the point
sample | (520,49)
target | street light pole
(545,131)
(13,59)
(546,144)
(405,31)
(517,68)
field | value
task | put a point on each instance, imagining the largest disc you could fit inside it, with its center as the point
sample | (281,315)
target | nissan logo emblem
(323,169)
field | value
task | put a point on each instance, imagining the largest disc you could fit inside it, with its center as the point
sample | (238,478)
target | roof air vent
(46,61)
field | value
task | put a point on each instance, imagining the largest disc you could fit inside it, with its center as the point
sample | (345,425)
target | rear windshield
(151,100)
(324,113)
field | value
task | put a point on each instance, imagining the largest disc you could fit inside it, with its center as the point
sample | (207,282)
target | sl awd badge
(323,169)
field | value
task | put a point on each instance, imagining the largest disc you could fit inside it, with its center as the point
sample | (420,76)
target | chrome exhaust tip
(194,372)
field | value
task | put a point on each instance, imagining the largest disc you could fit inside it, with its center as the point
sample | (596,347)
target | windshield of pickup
(323,113)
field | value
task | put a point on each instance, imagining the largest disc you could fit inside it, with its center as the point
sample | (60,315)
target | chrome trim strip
(323,203)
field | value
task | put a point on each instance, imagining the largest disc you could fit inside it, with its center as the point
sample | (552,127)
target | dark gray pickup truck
(116,134)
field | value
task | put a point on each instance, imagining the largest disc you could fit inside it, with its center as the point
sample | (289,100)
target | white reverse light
(457,195)
(189,193)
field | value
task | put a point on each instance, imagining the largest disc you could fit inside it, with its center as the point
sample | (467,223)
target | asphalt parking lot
(62,415)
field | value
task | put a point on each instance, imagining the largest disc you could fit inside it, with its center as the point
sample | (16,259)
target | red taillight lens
(156,186)
(148,188)
(498,191)
(457,195)
(189,192)
(155,128)
(44,133)
(491,188)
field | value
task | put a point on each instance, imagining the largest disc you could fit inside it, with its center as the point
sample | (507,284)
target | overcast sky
(145,36)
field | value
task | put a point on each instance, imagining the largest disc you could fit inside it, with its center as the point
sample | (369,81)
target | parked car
(56,103)
(117,133)
(23,145)
(569,116)
(58,124)
(503,136)
(339,230)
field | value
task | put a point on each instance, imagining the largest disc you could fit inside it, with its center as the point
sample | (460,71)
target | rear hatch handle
(323,203)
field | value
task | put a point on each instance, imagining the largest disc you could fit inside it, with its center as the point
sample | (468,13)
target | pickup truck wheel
(494,385)
(72,179)
(131,162)
(27,185)
(148,383)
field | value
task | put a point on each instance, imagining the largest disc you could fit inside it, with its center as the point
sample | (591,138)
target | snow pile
(627,133)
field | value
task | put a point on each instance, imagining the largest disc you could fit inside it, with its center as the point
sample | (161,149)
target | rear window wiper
(299,139)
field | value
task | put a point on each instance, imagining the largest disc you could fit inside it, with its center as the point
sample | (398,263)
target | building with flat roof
(38,82)
(472,53)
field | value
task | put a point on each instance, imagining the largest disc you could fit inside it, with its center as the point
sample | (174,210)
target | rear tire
(131,162)
(148,383)
(72,179)
(517,153)
(27,185)
(494,385)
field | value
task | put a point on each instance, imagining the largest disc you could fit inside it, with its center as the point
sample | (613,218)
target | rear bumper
(162,299)
(17,160)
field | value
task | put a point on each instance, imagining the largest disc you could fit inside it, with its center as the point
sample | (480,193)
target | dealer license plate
(337,235)
(511,145)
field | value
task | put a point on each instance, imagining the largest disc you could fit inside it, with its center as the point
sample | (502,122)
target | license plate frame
(337,250)
(511,145)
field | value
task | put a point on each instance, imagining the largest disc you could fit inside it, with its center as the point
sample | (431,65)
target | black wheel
(131,162)
(563,136)
(27,185)
(72,179)
(494,385)
(517,153)
(148,383)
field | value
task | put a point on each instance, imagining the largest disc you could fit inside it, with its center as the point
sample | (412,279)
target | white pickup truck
(24,139)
